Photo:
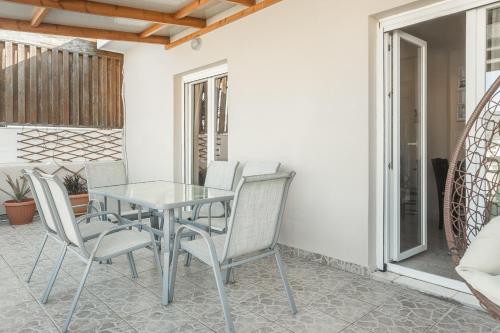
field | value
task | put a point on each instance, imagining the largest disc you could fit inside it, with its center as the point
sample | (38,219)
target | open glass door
(408,177)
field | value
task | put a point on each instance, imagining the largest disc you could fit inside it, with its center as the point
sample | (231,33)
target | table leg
(168,230)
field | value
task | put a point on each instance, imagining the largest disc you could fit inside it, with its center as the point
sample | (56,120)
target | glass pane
(200,128)
(221,144)
(410,148)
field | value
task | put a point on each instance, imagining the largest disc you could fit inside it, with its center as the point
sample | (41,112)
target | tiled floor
(328,300)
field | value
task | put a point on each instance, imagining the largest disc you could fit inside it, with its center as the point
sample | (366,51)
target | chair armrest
(99,214)
(203,234)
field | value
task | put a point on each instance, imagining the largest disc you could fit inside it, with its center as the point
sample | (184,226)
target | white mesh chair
(110,173)
(253,234)
(220,175)
(219,223)
(260,168)
(89,230)
(117,241)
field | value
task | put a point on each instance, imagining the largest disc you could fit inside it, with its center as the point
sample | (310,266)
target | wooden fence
(60,87)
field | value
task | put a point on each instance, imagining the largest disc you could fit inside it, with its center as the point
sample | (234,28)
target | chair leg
(222,294)
(157,257)
(131,263)
(173,274)
(37,258)
(55,272)
(77,296)
(288,290)
(189,256)
(227,277)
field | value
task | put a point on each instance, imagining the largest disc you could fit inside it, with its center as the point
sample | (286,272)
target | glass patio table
(164,197)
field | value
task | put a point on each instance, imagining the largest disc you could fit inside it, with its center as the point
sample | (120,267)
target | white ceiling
(25,12)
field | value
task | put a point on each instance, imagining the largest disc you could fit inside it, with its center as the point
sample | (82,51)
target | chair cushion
(199,248)
(94,228)
(480,266)
(119,243)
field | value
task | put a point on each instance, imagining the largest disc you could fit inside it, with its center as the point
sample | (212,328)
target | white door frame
(425,13)
(187,83)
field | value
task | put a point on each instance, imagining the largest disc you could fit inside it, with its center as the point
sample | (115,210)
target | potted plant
(20,209)
(76,186)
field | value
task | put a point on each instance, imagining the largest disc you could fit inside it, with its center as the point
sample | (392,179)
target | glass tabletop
(161,195)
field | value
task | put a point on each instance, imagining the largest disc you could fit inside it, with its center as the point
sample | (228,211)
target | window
(205,122)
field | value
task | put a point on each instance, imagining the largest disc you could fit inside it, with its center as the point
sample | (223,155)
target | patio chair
(110,173)
(88,230)
(253,232)
(220,175)
(218,224)
(117,241)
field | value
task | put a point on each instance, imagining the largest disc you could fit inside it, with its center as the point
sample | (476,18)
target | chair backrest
(61,206)
(260,168)
(257,214)
(221,174)
(106,173)
(41,200)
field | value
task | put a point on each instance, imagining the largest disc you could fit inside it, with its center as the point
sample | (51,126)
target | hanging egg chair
(472,194)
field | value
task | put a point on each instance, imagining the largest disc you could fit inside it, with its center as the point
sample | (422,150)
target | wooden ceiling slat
(39,15)
(104,9)
(225,21)
(65,30)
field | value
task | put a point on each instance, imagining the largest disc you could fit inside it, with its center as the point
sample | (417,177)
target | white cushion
(199,248)
(480,266)
(120,242)
(94,228)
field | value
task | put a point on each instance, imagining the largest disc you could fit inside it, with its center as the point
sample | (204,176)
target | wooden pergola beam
(104,9)
(39,15)
(152,29)
(189,8)
(65,30)
(181,13)
(225,21)
(248,3)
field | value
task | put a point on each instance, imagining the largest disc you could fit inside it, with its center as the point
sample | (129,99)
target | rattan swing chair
(472,185)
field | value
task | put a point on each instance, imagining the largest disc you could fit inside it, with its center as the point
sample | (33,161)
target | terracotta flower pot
(79,200)
(20,212)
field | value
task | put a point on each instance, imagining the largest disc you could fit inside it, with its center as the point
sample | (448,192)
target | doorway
(427,115)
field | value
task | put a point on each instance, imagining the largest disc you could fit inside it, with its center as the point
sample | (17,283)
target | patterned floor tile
(91,314)
(416,305)
(313,321)
(25,317)
(124,296)
(380,322)
(462,319)
(165,319)
(346,308)
(244,321)
(270,305)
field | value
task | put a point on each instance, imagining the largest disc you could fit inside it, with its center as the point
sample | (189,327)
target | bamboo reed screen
(59,87)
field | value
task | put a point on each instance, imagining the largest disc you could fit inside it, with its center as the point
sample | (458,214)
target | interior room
(445,39)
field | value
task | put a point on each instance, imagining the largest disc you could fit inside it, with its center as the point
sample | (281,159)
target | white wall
(299,93)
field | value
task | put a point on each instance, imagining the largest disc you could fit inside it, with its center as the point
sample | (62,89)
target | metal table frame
(166,211)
